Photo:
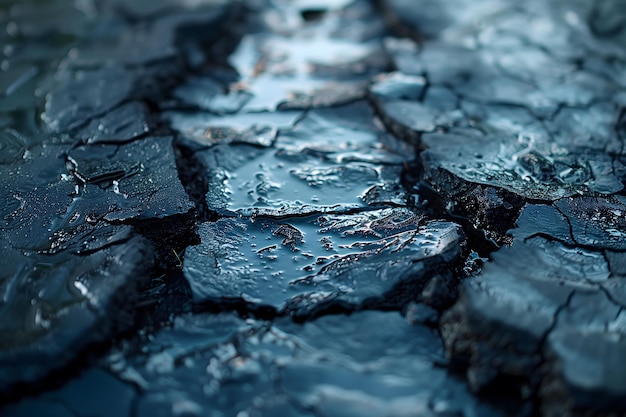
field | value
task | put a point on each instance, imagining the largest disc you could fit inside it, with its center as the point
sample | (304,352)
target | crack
(569,245)
(541,349)
(192,175)
(57,379)
(242,308)
(611,298)
(168,293)
(396,129)
(478,240)
(569,222)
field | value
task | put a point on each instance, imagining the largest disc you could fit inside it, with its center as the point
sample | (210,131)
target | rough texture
(312,208)
(525,122)
(380,365)
(82,197)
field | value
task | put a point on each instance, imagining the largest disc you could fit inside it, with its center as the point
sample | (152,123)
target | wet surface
(380,364)
(376,259)
(312,208)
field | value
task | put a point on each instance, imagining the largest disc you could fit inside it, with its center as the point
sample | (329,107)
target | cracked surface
(312,208)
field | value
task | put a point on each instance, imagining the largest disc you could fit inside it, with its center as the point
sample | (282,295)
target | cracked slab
(335,364)
(323,155)
(303,265)
(328,162)
(79,213)
(134,181)
(530,317)
(523,113)
(60,304)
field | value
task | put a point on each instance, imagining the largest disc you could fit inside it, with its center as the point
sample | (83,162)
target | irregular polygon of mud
(58,305)
(382,258)
(369,362)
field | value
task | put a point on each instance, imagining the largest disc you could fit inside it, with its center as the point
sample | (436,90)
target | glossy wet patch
(278,183)
(65,303)
(328,162)
(277,70)
(302,262)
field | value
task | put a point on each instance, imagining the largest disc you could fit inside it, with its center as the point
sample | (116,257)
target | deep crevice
(192,174)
